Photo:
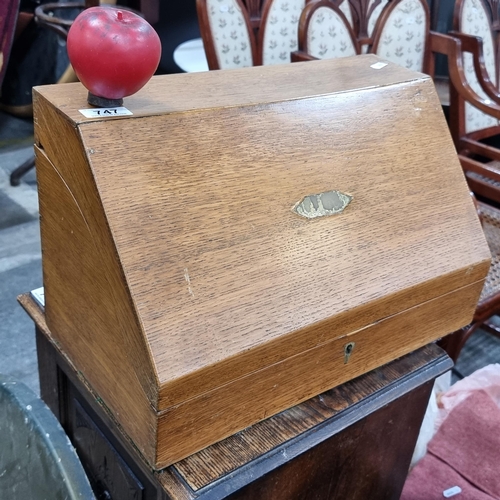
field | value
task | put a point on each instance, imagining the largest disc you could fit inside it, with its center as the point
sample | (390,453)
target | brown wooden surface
(213,89)
(354,441)
(172,255)
(189,421)
(107,362)
(218,460)
(357,464)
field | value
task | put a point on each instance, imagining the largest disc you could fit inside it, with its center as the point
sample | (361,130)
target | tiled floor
(20,265)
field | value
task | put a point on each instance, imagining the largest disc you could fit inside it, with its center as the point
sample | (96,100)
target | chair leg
(454,342)
(15,176)
(491,328)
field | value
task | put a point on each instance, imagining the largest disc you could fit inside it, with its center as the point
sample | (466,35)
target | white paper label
(451,492)
(378,65)
(105,112)
(39,295)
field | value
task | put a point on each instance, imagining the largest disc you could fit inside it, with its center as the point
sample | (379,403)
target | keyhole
(348,348)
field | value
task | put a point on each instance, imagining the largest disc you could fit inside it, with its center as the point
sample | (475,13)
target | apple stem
(120,15)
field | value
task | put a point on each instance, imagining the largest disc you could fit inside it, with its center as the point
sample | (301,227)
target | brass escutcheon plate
(322,204)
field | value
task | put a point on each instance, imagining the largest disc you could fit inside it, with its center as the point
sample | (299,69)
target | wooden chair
(278,31)
(474,121)
(489,301)
(266,31)
(401,34)
(325,33)
(362,16)
(240,34)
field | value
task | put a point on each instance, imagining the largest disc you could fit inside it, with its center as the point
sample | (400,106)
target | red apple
(113,52)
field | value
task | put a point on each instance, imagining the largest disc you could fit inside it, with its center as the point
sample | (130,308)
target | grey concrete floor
(20,255)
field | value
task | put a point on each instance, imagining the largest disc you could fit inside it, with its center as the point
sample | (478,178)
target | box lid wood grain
(181,276)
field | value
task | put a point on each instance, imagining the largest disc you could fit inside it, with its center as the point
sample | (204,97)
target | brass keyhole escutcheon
(348,348)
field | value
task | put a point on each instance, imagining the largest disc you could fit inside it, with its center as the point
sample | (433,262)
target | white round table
(190,56)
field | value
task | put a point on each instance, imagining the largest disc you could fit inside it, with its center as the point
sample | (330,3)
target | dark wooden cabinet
(352,442)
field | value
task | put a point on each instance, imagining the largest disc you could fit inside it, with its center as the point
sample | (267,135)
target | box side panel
(88,310)
(197,423)
(218,264)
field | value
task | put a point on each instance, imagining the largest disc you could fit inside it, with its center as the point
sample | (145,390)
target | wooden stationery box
(193,274)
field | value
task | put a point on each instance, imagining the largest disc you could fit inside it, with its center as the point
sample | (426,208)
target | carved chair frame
(482,175)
